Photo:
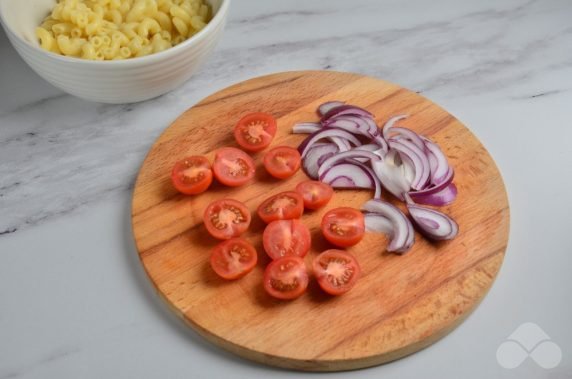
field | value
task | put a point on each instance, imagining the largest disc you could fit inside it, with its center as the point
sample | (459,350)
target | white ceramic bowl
(123,81)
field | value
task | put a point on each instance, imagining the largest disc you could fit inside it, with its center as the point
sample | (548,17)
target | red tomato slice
(226,218)
(343,226)
(234,258)
(233,167)
(286,278)
(283,206)
(192,175)
(282,162)
(255,131)
(315,194)
(336,270)
(286,238)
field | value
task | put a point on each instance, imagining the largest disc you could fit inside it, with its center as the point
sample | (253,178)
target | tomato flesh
(255,131)
(226,218)
(283,206)
(233,259)
(315,194)
(282,162)
(286,238)
(336,270)
(192,175)
(343,226)
(286,278)
(233,167)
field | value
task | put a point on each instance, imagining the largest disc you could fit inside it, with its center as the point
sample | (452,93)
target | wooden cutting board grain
(400,305)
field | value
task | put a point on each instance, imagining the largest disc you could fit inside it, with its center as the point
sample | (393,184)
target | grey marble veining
(72,294)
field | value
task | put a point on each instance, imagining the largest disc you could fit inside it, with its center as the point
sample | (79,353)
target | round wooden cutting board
(400,305)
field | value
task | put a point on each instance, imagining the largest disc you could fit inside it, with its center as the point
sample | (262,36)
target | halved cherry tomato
(315,194)
(282,162)
(343,226)
(283,206)
(226,218)
(286,238)
(255,131)
(233,167)
(336,270)
(286,278)
(192,175)
(234,258)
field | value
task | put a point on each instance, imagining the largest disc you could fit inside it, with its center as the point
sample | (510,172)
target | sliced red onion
(306,127)
(349,156)
(391,176)
(446,196)
(403,235)
(341,143)
(440,165)
(375,222)
(376,181)
(408,134)
(326,133)
(316,156)
(418,159)
(328,106)
(360,125)
(348,175)
(382,143)
(436,188)
(432,223)
(389,124)
(346,110)
(368,147)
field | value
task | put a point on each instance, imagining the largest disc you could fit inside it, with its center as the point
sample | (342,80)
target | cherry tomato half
(343,226)
(233,167)
(283,206)
(226,218)
(192,175)
(286,238)
(315,194)
(282,162)
(336,270)
(286,278)
(255,131)
(233,259)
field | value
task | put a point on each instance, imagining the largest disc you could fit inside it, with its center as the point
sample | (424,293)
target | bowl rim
(216,20)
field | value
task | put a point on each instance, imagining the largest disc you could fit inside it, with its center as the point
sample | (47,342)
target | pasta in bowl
(114,51)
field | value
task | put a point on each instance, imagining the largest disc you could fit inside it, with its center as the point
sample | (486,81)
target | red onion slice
(326,133)
(306,127)
(444,197)
(436,188)
(348,175)
(440,165)
(328,106)
(346,156)
(346,110)
(408,149)
(377,223)
(316,156)
(432,223)
(408,134)
(391,176)
(403,235)
(389,124)
(376,181)
(364,126)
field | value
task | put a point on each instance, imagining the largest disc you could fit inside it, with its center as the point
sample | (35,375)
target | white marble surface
(74,302)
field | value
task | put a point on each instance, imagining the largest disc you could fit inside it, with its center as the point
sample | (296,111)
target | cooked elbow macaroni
(120,29)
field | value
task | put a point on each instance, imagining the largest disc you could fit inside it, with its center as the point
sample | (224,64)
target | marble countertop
(74,301)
